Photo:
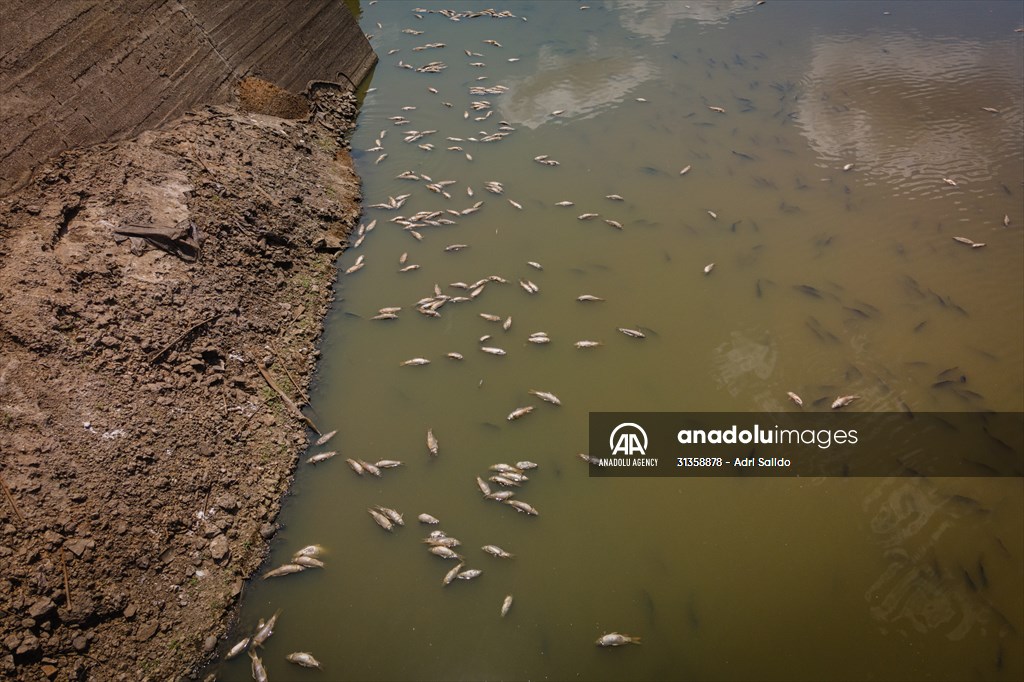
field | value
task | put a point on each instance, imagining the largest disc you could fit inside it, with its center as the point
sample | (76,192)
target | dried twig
(67,585)
(302,394)
(11,500)
(160,353)
(287,401)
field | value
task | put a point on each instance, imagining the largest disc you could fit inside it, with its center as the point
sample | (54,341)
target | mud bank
(142,286)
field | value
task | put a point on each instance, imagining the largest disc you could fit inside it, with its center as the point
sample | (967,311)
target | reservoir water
(825,282)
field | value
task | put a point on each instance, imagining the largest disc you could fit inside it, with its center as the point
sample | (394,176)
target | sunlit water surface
(724,579)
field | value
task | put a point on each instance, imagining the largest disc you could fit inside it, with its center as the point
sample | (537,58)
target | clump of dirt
(258,96)
(142,286)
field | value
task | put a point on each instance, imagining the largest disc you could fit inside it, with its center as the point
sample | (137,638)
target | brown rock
(42,608)
(147,630)
(219,549)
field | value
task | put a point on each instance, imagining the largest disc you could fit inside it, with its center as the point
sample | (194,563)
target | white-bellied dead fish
(444,552)
(585,298)
(482,484)
(322,440)
(708,268)
(614,197)
(428,519)
(585,343)
(469,574)
(265,631)
(503,479)
(237,649)
(534,264)
(386,316)
(259,673)
(795,398)
(519,412)
(565,203)
(713,214)
(451,575)
(356,466)
(308,562)
(322,457)
(685,170)
(523,507)
(507,324)
(414,362)
(371,469)
(950,182)
(843,401)
(387,463)
(717,110)
(303,658)
(494,550)
(454,356)
(506,605)
(392,515)
(587,216)
(1006,220)
(500,496)
(546,396)
(526,464)
(309,550)
(616,639)
(632,333)
(381,520)
(432,444)
(439,539)
(492,351)
(848,167)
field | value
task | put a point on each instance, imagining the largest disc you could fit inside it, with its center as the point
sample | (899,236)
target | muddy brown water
(896,578)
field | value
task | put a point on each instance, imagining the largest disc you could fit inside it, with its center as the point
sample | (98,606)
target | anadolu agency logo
(627,445)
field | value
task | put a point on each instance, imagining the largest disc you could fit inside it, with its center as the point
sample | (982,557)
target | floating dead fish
(713,215)
(585,343)
(322,457)
(633,333)
(587,216)
(356,466)
(516,204)
(502,479)
(503,467)
(950,182)
(452,574)
(490,317)
(303,658)
(482,484)
(848,167)
(990,110)
(322,440)
(506,605)
(523,507)
(615,639)
(381,520)
(795,398)
(500,496)
(265,631)
(685,170)
(548,397)
(588,297)
(484,338)
(539,339)
(259,673)
(538,266)
(519,412)
(494,550)
(431,442)
(427,519)
(565,203)
(371,469)
(456,247)
(614,197)
(526,464)
(843,401)
(1006,221)
(355,268)
(310,550)
(387,316)
(493,351)
(454,356)
(392,515)
(469,574)
(237,649)
(308,562)
(717,110)
(507,324)
(415,362)
(708,268)
(444,552)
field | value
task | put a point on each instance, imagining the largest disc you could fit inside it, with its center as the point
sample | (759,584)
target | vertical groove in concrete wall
(79,72)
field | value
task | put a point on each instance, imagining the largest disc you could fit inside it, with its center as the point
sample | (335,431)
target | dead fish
(795,398)
(1006,221)
(614,223)
(633,333)
(588,297)
(615,639)
(309,550)
(387,316)
(587,344)
(259,673)
(414,362)
(381,520)
(503,479)
(500,496)
(371,469)
(713,215)
(484,338)
(237,649)
(717,110)
(469,574)
(427,519)
(431,442)
(494,550)
(451,575)
(392,310)
(265,631)
(484,488)
(490,317)
(356,466)
(355,268)
(492,350)
(528,286)
(392,515)
(444,552)
(322,457)
(848,167)
(950,182)
(322,440)
(534,264)
(516,204)
(454,356)
(507,324)
(541,338)
(548,397)
(527,464)
(685,170)
(304,659)
(506,605)
(456,247)
(308,562)
(708,268)
(587,216)
(523,507)
(990,110)
(964,240)
(565,203)
(519,412)
(843,401)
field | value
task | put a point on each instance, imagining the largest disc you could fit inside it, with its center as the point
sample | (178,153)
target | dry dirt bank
(144,453)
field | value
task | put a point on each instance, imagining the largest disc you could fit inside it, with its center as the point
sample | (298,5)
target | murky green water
(723,579)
